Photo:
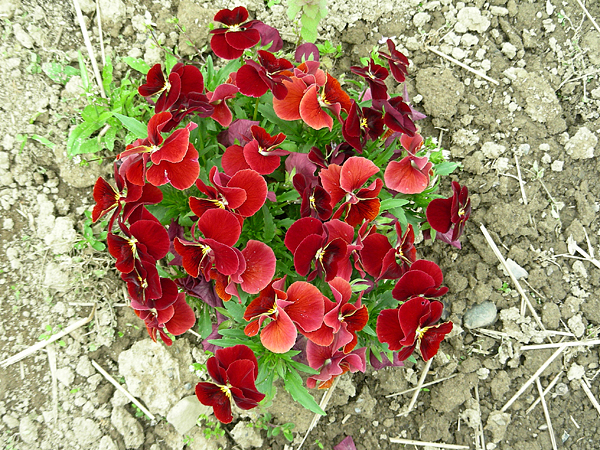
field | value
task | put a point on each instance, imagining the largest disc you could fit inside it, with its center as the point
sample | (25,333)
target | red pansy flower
(244,193)
(234,370)
(424,278)
(221,112)
(230,41)
(446,213)
(300,307)
(316,202)
(375,76)
(397,61)
(143,282)
(382,261)
(398,116)
(323,245)
(342,182)
(412,324)
(362,124)
(181,175)
(411,174)
(156,84)
(262,153)
(255,79)
(332,363)
(221,230)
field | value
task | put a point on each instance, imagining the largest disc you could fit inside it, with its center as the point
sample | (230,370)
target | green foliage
(312,13)
(273,430)
(211,429)
(93,235)
(114,119)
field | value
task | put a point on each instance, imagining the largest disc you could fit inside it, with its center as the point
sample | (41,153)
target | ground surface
(545,57)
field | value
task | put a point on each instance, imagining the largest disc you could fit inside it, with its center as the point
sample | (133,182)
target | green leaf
(59,73)
(205,323)
(43,140)
(107,76)
(236,310)
(269,230)
(138,129)
(294,7)
(392,203)
(293,384)
(76,143)
(309,27)
(302,367)
(137,64)
(170,61)
(445,168)
(85,81)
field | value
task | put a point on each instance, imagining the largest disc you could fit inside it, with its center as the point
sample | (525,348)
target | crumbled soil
(543,113)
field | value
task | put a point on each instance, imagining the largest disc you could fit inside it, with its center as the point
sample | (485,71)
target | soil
(542,111)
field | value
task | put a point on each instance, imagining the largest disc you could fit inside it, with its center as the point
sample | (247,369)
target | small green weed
(90,237)
(211,428)
(264,423)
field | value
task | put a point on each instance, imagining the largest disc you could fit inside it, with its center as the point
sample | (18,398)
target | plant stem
(255,110)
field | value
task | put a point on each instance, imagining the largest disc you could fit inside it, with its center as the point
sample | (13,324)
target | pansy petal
(410,314)
(256,190)
(289,107)
(260,266)
(280,335)
(153,235)
(412,283)
(221,48)
(249,82)
(430,342)
(220,225)
(439,214)
(388,328)
(307,309)
(312,113)
(227,356)
(402,177)
(233,160)
(183,319)
(210,394)
(299,230)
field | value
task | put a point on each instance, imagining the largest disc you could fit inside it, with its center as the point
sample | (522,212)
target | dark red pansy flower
(397,61)
(221,230)
(181,175)
(255,79)
(234,371)
(270,39)
(331,363)
(230,41)
(424,279)
(346,182)
(316,202)
(362,124)
(375,76)
(446,213)
(382,261)
(143,282)
(412,325)
(244,193)
(324,246)
(398,116)
(300,308)
(127,199)
(145,239)
(156,83)
(263,153)
(221,112)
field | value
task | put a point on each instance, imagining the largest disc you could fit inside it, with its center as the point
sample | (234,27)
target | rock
(591,43)
(10,421)
(441,91)
(87,432)
(152,373)
(106,443)
(8,8)
(591,309)
(452,393)
(113,15)
(542,105)
(480,315)
(246,436)
(22,36)
(65,375)
(184,414)
(581,146)
(421,19)
(470,18)
(576,372)
(550,315)
(576,325)
(84,367)
(365,404)
(195,19)
(500,385)
(28,430)
(62,237)
(516,269)
(492,150)
(497,424)
(128,427)
(285,409)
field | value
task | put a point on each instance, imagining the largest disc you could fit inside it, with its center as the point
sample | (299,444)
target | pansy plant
(278,213)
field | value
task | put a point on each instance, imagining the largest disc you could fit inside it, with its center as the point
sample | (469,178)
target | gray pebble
(480,315)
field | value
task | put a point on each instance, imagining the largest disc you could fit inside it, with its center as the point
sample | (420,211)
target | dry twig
(323,404)
(464,66)
(116,384)
(52,363)
(98,16)
(521,184)
(546,391)
(480,426)
(41,344)
(546,413)
(427,444)
(587,13)
(562,345)
(417,389)
(431,383)
(590,395)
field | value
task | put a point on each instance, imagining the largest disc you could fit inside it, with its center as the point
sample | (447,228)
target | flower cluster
(287,227)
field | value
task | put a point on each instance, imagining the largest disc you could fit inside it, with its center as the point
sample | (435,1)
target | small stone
(106,443)
(87,432)
(65,375)
(128,427)
(184,414)
(246,436)
(509,50)
(492,150)
(497,424)
(28,430)
(557,166)
(22,36)
(576,325)
(581,146)
(10,421)
(421,19)
(480,315)
(516,269)
(84,367)
(576,372)
(8,224)
(471,19)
